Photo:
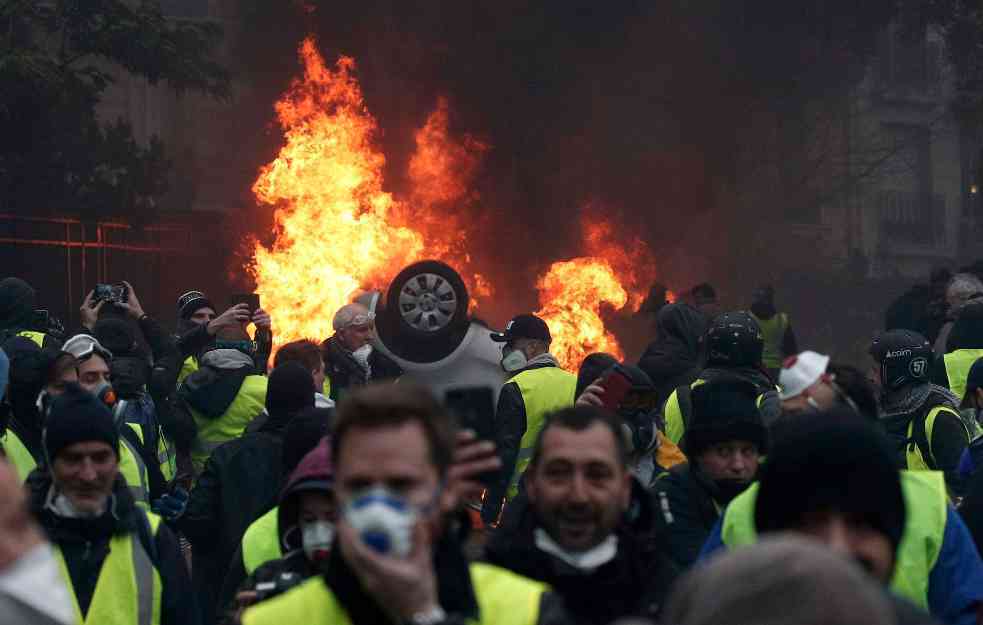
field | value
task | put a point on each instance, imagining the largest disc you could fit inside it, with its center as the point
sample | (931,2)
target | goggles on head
(83,346)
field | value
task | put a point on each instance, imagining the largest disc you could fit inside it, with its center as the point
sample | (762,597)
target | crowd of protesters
(184,478)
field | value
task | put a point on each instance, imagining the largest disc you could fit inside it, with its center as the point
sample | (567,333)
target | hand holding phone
(249,299)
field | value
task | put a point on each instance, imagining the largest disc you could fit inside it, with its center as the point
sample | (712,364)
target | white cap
(800,372)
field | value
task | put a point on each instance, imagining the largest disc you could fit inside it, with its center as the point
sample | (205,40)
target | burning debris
(338,231)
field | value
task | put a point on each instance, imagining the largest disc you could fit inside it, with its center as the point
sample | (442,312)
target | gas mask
(105,394)
(316,538)
(362,354)
(384,520)
(514,361)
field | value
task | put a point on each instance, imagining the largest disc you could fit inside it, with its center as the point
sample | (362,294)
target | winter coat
(674,358)
(315,472)
(633,584)
(346,374)
(686,512)
(240,482)
(84,543)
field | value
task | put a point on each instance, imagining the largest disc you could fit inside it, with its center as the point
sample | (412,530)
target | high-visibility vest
(213,433)
(926,513)
(914,460)
(504,598)
(957,366)
(166,456)
(133,469)
(773,332)
(37,337)
(544,390)
(189,366)
(674,418)
(17,454)
(261,542)
(128,590)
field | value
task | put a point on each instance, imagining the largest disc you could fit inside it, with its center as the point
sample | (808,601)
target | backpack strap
(146,536)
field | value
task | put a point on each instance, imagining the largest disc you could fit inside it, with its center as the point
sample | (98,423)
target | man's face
(317,506)
(865,545)
(319,378)
(396,457)
(732,460)
(355,337)
(202,316)
(57,386)
(92,372)
(84,472)
(578,487)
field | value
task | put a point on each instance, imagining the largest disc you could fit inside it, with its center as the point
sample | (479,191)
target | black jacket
(686,512)
(674,358)
(345,373)
(240,481)
(972,508)
(510,427)
(85,543)
(633,584)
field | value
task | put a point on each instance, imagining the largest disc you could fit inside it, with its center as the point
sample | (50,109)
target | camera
(278,585)
(112,293)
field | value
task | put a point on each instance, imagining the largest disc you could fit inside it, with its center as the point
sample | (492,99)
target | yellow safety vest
(926,513)
(128,591)
(166,456)
(773,332)
(261,542)
(913,455)
(957,366)
(37,337)
(189,366)
(212,433)
(133,469)
(544,390)
(504,598)
(18,454)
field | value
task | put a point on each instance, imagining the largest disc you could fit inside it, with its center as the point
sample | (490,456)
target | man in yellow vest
(122,564)
(835,478)
(396,558)
(923,419)
(536,386)
(776,330)
(19,317)
(965,348)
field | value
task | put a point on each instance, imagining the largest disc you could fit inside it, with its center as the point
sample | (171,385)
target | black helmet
(904,357)
(734,340)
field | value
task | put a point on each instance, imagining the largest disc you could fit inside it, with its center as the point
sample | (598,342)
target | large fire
(337,230)
(573,293)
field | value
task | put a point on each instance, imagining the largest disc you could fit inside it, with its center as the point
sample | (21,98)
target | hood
(314,473)
(226,359)
(211,390)
(17,303)
(677,346)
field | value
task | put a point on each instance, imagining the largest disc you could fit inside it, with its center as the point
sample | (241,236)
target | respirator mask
(514,360)
(384,520)
(316,538)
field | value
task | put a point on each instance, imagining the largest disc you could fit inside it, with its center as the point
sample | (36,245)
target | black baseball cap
(524,327)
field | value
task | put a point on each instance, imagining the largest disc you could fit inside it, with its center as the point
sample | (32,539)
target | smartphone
(114,294)
(474,409)
(616,383)
(250,299)
(40,320)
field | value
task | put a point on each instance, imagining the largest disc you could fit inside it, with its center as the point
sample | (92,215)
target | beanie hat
(17,301)
(724,409)
(77,416)
(191,302)
(290,390)
(835,462)
(302,435)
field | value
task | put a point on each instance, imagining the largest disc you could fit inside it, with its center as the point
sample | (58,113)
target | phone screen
(250,299)
(474,409)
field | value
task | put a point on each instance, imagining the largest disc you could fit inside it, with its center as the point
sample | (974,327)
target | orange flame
(572,293)
(337,230)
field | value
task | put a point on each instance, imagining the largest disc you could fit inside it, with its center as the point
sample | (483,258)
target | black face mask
(729,488)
